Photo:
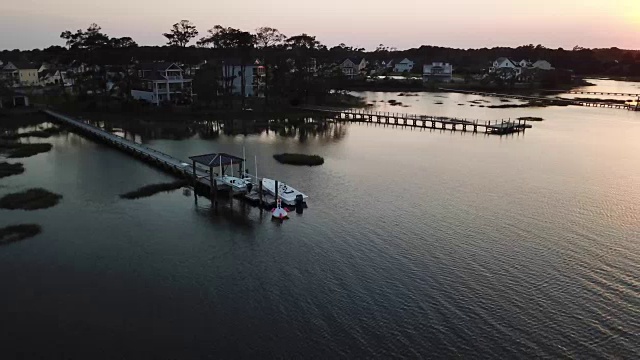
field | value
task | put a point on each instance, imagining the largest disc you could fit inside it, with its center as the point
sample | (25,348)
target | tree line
(297,66)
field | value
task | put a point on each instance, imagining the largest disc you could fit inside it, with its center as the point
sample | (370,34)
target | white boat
(236,183)
(285,192)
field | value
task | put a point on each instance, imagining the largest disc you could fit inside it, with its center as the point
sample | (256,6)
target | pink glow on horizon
(359,23)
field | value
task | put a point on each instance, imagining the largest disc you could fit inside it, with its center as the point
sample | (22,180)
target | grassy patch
(45,133)
(150,190)
(7,169)
(299,159)
(15,233)
(32,199)
(18,150)
(530,118)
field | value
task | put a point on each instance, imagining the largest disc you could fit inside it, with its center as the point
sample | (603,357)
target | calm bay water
(416,243)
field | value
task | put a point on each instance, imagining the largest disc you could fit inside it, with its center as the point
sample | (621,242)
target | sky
(359,23)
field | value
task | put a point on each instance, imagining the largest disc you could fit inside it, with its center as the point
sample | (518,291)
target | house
(504,63)
(404,65)
(523,70)
(437,71)
(542,65)
(352,66)
(309,66)
(160,82)
(21,73)
(52,77)
(525,64)
(254,75)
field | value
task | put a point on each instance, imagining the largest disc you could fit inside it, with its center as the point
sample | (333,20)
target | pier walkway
(155,157)
(634,107)
(498,127)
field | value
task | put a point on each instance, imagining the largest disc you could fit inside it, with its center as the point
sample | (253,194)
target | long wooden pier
(594,93)
(161,160)
(497,127)
(634,107)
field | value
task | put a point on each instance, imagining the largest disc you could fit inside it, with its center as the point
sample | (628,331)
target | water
(417,243)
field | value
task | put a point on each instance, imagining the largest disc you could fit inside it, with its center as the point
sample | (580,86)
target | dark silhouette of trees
(181,34)
(268,37)
(239,43)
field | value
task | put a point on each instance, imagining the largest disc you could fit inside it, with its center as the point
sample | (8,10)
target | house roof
(47,72)
(158,66)
(24,65)
(234,61)
(397,61)
(354,59)
(213,160)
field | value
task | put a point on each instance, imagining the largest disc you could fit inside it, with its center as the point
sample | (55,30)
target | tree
(267,37)
(122,43)
(91,39)
(239,42)
(303,42)
(206,83)
(181,34)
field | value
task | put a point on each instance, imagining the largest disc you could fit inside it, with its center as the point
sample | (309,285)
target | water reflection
(301,128)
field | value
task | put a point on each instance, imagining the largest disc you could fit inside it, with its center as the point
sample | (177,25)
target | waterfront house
(353,66)
(504,63)
(160,82)
(525,64)
(52,77)
(542,65)
(21,73)
(233,71)
(404,65)
(437,71)
(522,70)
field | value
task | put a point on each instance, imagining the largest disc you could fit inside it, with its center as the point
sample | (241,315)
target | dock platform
(496,127)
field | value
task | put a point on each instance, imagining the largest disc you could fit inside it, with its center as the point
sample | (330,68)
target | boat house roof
(213,160)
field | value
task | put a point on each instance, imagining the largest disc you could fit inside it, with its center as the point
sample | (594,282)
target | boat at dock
(237,184)
(288,194)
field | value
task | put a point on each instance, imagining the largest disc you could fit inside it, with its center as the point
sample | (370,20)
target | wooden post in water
(214,190)
(260,192)
(211,184)
(276,191)
(195,177)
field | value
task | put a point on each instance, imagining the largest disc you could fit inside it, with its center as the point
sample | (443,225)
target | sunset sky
(359,23)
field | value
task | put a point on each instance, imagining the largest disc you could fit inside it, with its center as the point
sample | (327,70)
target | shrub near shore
(7,169)
(150,190)
(299,159)
(20,232)
(32,199)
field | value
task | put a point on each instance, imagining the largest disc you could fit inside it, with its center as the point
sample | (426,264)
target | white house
(161,81)
(404,65)
(351,67)
(437,71)
(254,77)
(504,63)
(20,73)
(542,65)
(521,70)
(53,77)
(525,64)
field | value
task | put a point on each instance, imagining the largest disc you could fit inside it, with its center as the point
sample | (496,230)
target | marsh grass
(7,169)
(150,190)
(14,233)
(16,150)
(32,199)
(44,133)
(299,159)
